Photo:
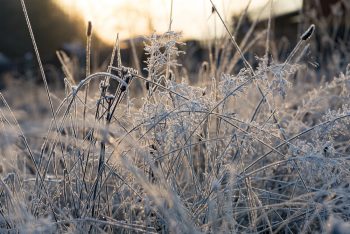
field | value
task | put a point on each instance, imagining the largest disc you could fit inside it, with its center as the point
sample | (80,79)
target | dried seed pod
(127,78)
(147,85)
(122,88)
(89,29)
(153,148)
(308,33)
(171,75)
(125,71)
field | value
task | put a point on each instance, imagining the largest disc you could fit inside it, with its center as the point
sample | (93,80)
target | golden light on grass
(254,144)
(132,18)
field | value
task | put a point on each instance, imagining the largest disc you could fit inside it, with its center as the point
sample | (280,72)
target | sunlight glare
(132,18)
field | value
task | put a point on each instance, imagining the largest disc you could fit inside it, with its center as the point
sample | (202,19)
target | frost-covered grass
(236,152)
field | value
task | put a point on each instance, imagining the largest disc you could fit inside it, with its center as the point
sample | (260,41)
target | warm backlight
(131,18)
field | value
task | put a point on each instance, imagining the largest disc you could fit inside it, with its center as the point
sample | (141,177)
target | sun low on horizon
(131,18)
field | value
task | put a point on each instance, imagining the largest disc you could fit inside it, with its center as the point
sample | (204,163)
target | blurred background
(61,25)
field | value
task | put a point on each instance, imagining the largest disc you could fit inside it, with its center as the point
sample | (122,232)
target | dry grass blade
(38,59)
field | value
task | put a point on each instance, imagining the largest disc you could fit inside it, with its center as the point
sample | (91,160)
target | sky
(193,18)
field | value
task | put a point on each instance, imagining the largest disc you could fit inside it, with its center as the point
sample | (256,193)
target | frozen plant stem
(247,64)
(38,59)
(306,35)
(88,66)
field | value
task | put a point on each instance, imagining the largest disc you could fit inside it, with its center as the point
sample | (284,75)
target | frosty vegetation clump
(236,152)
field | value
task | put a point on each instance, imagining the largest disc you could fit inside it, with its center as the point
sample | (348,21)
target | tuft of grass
(237,152)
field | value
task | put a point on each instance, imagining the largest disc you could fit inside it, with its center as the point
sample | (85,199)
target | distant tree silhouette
(52,27)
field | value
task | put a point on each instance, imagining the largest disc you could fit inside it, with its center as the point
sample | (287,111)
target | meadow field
(256,139)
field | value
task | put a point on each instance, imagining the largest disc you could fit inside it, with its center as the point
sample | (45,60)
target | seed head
(127,78)
(125,71)
(89,29)
(122,88)
(308,33)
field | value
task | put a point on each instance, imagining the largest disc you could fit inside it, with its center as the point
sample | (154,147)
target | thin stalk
(37,54)
(88,68)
